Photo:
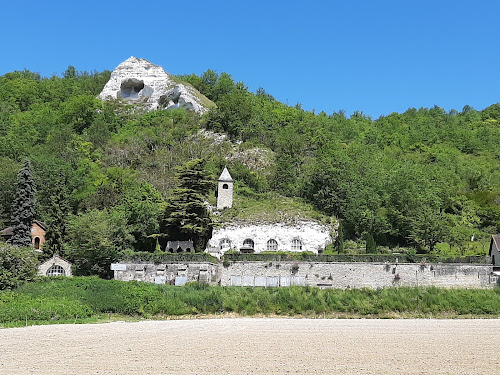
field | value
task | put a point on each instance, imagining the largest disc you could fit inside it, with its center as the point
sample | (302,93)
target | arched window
(56,270)
(37,243)
(247,246)
(296,245)
(225,186)
(248,243)
(225,244)
(272,245)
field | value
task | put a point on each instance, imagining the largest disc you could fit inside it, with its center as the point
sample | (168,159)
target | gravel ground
(255,346)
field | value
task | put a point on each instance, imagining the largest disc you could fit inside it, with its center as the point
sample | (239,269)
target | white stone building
(55,266)
(255,238)
(225,190)
(304,235)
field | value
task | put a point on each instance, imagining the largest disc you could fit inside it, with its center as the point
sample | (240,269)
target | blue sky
(374,56)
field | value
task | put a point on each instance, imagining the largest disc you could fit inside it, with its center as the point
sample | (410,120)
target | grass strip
(89,299)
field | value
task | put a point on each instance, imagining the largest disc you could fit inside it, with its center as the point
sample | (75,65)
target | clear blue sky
(374,56)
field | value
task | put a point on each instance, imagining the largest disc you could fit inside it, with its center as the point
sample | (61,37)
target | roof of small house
(182,244)
(41,224)
(54,258)
(495,239)
(9,231)
(225,176)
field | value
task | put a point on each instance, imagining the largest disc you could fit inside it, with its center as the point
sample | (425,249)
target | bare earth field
(255,346)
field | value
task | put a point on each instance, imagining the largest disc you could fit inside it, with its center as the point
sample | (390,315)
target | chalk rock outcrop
(139,81)
(301,236)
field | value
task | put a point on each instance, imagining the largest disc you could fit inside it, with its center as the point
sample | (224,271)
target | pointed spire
(225,176)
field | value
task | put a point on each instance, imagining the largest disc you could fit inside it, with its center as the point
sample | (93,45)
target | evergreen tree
(371,246)
(339,241)
(57,211)
(187,217)
(23,207)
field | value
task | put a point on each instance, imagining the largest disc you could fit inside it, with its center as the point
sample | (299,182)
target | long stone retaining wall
(318,274)
(358,275)
(166,273)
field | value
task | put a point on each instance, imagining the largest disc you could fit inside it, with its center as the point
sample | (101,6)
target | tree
(339,241)
(23,210)
(428,228)
(16,265)
(187,216)
(371,246)
(95,241)
(57,211)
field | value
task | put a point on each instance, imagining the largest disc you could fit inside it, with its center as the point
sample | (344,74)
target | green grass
(79,299)
(269,208)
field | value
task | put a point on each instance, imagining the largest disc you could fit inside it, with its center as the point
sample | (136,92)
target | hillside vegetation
(426,178)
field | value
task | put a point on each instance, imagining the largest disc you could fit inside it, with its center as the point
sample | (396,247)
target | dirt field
(258,346)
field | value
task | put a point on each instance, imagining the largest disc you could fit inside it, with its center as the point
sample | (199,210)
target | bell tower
(225,190)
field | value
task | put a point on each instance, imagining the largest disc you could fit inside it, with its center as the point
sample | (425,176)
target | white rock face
(139,81)
(303,236)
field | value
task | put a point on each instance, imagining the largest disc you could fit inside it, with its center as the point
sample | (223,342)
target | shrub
(16,265)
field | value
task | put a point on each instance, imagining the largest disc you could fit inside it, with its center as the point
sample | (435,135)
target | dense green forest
(105,172)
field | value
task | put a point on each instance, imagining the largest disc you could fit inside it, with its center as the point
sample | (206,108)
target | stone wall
(358,275)
(166,273)
(318,274)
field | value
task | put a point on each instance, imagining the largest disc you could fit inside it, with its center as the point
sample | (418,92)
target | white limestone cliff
(140,81)
(311,235)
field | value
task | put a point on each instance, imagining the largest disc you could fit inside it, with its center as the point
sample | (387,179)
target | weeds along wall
(318,274)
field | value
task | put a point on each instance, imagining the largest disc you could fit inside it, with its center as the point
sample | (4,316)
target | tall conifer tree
(187,217)
(23,207)
(371,246)
(339,242)
(56,222)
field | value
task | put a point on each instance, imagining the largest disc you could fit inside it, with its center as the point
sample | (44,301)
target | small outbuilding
(494,252)
(38,230)
(55,266)
(179,246)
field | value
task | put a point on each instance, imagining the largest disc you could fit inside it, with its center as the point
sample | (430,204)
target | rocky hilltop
(140,81)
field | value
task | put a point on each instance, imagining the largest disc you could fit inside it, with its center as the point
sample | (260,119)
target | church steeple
(225,190)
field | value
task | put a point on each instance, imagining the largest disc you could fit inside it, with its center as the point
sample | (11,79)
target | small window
(225,244)
(225,186)
(272,245)
(296,245)
(56,270)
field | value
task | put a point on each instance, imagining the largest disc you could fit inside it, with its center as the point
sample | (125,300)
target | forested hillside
(105,171)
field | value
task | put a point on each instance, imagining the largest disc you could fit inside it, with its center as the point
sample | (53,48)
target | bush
(16,265)
(348,258)
(144,256)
